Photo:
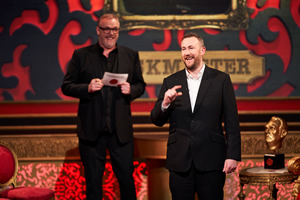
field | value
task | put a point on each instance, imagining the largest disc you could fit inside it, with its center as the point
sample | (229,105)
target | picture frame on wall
(179,14)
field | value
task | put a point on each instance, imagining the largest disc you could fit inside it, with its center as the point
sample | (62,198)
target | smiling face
(108,40)
(192,51)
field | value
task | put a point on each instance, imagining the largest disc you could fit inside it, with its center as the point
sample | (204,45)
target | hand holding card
(113,79)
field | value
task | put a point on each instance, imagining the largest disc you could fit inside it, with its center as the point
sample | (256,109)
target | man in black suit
(104,115)
(195,101)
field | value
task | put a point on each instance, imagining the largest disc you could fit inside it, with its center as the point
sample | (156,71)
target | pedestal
(269,177)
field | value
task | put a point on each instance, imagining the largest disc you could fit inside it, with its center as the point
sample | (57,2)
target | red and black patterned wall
(38,37)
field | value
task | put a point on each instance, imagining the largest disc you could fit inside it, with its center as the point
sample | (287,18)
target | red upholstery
(7,167)
(28,193)
(8,173)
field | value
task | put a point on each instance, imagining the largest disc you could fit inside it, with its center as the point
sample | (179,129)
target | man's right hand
(95,85)
(171,95)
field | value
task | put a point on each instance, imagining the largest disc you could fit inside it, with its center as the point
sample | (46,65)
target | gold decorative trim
(43,147)
(294,165)
(266,180)
(65,146)
(253,143)
(235,19)
(12,180)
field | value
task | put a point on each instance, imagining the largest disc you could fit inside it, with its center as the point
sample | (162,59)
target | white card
(113,79)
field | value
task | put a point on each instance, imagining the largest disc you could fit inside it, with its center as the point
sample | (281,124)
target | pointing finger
(179,94)
(176,87)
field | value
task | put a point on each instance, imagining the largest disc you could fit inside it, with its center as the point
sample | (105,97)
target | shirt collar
(189,76)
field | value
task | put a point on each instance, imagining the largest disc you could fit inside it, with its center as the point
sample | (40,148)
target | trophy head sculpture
(275,131)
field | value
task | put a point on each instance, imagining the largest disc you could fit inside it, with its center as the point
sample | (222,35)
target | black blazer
(198,137)
(84,66)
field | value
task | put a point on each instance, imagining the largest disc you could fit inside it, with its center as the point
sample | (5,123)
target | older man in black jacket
(104,115)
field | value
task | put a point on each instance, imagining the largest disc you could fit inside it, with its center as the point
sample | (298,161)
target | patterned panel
(38,38)
(52,161)
(254,144)
(65,146)
(68,182)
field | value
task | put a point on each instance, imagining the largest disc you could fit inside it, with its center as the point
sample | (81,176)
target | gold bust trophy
(275,132)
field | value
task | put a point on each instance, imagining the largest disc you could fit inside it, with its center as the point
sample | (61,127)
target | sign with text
(242,66)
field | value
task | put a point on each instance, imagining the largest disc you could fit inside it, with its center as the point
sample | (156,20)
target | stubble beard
(193,66)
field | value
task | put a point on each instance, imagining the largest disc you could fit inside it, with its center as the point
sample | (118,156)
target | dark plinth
(274,161)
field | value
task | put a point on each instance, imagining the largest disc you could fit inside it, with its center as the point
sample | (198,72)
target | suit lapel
(185,91)
(94,61)
(122,64)
(205,82)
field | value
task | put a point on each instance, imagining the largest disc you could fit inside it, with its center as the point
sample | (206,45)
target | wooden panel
(53,136)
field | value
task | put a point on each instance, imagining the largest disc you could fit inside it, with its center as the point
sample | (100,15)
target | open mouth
(189,58)
(110,38)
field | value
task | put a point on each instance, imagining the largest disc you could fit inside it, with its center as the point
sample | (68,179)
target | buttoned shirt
(193,85)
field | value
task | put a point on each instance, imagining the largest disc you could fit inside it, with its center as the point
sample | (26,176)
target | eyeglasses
(108,30)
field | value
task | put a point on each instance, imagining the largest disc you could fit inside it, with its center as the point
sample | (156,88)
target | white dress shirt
(193,85)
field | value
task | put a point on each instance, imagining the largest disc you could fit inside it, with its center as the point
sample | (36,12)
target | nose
(186,52)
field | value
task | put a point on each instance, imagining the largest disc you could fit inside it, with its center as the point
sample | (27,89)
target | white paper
(113,79)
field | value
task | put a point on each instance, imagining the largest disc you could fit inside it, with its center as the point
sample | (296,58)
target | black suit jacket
(198,137)
(84,66)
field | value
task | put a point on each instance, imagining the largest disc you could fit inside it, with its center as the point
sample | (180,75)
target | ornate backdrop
(38,38)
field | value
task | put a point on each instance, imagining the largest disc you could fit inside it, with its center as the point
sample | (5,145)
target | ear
(97,30)
(203,50)
(283,133)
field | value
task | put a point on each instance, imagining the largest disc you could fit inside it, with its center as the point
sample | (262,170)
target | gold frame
(13,179)
(236,19)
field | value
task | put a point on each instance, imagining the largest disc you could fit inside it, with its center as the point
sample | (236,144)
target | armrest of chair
(294,167)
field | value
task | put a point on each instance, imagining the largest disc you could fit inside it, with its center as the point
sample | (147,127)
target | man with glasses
(104,115)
